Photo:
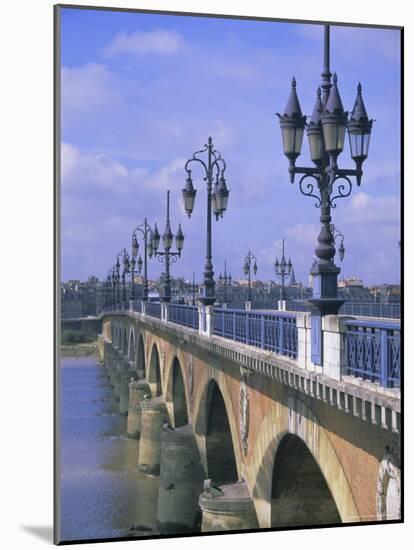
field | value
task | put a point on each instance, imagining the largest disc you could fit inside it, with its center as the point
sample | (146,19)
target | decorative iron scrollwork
(343,190)
(308,189)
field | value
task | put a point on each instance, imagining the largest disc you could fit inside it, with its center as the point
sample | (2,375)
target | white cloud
(168,177)
(303,233)
(365,209)
(85,170)
(86,89)
(81,170)
(267,255)
(158,41)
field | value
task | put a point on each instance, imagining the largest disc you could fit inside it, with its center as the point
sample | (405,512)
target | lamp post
(167,256)
(126,267)
(249,259)
(282,269)
(115,283)
(108,287)
(326,133)
(225,281)
(193,289)
(217,198)
(145,230)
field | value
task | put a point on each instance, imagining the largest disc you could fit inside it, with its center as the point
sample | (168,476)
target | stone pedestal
(153,416)
(281,305)
(205,319)
(137,390)
(228,507)
(165,311)
(181,481)
(124,390)
(334,345)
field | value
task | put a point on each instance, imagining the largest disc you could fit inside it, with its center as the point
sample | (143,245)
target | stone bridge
(245,438)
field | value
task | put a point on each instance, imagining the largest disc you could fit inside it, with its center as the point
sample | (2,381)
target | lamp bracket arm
(206,146)
(347,172)
(215,164)
(308,171)
(140,229)
(194,159)
(308,189)
(218,159)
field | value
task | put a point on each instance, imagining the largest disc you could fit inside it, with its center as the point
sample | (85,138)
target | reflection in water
(103,493)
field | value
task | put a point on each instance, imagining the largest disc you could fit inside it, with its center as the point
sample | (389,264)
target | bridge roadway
(283,441)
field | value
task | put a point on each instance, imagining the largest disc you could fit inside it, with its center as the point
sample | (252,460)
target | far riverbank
(79,350)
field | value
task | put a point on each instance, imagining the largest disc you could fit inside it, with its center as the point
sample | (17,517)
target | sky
(142,92)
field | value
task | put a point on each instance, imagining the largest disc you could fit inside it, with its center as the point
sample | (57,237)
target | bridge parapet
(333,383)
(366,349)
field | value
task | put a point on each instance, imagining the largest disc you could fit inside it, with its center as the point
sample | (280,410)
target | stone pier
(227,508)
(137,390)
(153,415)
(181,481)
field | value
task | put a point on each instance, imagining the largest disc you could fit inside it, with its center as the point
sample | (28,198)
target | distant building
(80,299)
(350,282)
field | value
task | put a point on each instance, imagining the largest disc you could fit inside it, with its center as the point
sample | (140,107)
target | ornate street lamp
(115,282)
(167,256)
(126,267)
(217,198)
(225,281)
(108,289)
(326,134)
(283,269)
(248,261)
(145,230)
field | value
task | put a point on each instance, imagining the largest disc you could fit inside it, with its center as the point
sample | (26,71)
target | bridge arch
(154,372)
(176,393)
(300,494)
(140,365)
(131,344)
(216,432)
(283,432)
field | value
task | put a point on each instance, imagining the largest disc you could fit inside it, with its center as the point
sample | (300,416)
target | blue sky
(142,92)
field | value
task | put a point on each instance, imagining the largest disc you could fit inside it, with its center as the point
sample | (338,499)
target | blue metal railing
(153,309)
(275,332)
(368,309)
(136,305)
(357,309)
(183,314)
(373,351)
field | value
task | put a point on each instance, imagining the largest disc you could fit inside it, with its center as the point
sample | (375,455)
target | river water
(103,494)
